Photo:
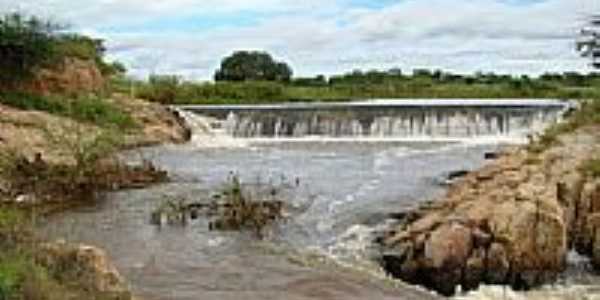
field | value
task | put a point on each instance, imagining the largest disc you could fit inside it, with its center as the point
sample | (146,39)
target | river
(322,253)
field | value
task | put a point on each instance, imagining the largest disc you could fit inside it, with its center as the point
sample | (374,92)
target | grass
(25,274)
(587,114)
(27,270)
(15,261)
(591,168)
(88,109)
(169,89)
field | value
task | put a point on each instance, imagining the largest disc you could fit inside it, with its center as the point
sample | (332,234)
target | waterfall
(496,119)
(208,131)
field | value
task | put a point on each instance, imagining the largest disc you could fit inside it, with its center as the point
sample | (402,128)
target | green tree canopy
(252,65)
(589,44)
(28,43)
(25,43)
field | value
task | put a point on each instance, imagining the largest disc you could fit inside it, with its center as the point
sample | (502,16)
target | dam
(382,118)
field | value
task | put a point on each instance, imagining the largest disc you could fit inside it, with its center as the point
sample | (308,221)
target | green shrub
(13,228)
(90,109)
(254,92)
(78,46)
(28,43)
(12,272)
(591,168)
(97,111)
(589,113)
(160,88)
(25,43)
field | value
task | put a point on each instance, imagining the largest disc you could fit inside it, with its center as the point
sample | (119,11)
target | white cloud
(331,36)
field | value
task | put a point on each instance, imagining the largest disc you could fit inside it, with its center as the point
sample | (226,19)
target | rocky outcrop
(87,266)
(27,131)
(159,124)
(512,222)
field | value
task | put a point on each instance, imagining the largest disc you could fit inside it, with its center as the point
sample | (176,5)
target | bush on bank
(587,114)
(30,43)
(85,108)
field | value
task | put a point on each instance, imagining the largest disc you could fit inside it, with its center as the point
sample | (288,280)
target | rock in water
(511,222)
(87,265)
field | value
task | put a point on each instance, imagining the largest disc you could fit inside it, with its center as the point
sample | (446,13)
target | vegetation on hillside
(587,114)
(25,44)
(362,85)
(28,43)
(589,111)
(85,108)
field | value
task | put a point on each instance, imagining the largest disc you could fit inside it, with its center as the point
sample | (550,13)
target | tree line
(30,43)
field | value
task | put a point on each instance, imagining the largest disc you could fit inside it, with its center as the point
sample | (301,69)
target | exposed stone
(426,223)
(498,265)
(474,270)
(159,124)
(26,130)
(509,223)
(449,246)
(596,249)
(70,76)
(481,239)
(587,220)
(445,281)
(90,265)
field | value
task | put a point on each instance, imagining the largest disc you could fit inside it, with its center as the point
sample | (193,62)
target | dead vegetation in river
(235,207)
(88,168)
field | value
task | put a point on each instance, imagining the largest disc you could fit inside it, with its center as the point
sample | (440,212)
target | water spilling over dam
(384,119)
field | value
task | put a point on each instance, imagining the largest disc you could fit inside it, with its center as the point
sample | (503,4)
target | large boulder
(448,246)
(86,266)
(508,223)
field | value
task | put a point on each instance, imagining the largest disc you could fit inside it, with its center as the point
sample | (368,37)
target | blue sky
(190,37)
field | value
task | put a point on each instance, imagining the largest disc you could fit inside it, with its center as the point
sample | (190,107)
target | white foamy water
(573,292)
(376,120)
(206,132)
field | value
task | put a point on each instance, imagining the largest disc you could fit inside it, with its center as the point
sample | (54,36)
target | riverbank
(52,159)
(512,222)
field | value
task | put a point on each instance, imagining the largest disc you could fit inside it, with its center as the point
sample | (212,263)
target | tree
(252,65)
(25,43)
(29,43)
(589,44)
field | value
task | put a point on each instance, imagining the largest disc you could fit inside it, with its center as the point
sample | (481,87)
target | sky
(190,37)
